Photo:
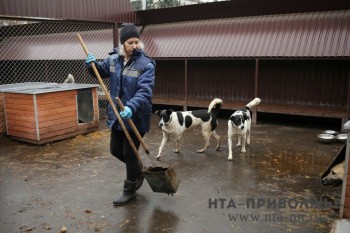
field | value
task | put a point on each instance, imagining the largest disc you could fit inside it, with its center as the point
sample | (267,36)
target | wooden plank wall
(2,115)
(69,121)
(58,116)
(57,113)
(20,115)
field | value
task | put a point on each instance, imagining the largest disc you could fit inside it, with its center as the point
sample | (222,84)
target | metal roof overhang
(59,46)
(298,35)
(93,10)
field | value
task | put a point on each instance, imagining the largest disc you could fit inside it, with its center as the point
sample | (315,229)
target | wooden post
(186,86)
(115,36)
(254,110)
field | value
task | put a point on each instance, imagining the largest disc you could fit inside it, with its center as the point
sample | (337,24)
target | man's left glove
(127,113)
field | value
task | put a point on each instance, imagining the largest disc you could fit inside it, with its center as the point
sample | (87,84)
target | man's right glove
(90,58)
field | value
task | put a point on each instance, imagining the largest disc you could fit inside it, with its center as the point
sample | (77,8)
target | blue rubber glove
(127,113)
(90,58)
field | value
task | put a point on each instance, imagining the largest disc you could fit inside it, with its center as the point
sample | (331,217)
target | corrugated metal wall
(92,10)
(301,87)
(227,79)
(320,83)
(170,80)
(296,63)
(314,83)
(33,41)
(315,34)
(206,79)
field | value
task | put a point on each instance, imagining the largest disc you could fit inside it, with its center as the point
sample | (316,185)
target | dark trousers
(121,149)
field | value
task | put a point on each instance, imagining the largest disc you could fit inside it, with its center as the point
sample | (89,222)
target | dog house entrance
(85,106)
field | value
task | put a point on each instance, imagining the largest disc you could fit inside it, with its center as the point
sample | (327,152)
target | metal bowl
(329,132)
(326,138)
(341,137)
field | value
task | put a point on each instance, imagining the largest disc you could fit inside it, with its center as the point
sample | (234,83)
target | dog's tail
(253,103)
(214,106)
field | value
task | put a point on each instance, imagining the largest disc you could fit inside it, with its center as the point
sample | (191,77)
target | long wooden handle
(131,123)
(110,100)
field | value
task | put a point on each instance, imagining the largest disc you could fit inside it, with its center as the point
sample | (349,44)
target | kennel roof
(297,35)
(315,34)
(232,29)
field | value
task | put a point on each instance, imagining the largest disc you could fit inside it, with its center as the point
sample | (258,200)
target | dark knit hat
(128,31)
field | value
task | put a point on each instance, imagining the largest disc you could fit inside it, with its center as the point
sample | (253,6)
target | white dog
(335,176)
(239,124)
(69,79)
(176,123)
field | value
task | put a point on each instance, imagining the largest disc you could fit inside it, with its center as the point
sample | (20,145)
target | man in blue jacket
(132,77)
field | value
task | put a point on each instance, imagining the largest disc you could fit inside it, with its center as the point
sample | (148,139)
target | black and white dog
(239,124)
(176,123)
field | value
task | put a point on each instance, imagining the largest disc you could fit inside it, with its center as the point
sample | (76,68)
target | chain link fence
(48,51)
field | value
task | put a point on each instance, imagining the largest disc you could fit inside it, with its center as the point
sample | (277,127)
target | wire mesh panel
(48,51)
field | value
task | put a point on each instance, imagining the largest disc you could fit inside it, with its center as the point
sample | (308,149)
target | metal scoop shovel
(161,179)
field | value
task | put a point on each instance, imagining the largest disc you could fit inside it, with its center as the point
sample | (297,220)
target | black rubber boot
(128,193)
(139,182)
(140,178)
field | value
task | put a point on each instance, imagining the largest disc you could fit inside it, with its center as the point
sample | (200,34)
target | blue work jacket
(132,83)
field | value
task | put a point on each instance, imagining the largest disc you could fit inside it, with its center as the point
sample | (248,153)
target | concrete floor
(72,184)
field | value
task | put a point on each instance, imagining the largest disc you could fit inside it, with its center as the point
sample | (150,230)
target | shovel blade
(162,179)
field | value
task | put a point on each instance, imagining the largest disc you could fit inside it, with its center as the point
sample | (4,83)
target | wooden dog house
(44,112)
